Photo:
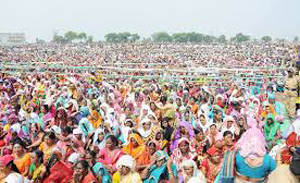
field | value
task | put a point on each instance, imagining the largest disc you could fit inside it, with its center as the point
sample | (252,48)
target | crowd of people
(145,113)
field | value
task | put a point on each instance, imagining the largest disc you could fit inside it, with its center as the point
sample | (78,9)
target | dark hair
(66,129)
(113,139)
(13,167)
(84,163)
(213,125)
(163,99)
(46,107)
(40,155)
(51,135)
(227,133)
(19,141)
(194,98)
(198,130)
(92,153)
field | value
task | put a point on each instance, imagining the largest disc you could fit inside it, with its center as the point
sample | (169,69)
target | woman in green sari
(272,131)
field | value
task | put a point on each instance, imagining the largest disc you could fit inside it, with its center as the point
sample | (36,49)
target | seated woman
(146,129)
(200,143)
(211,165)
(21,157)
(157,170)
(9,171)
(49,142)
(82,174)
(97,168)
(159,138)
(126,171)
(292,141)
(180,154)
(37,169)
(147,156)
(110,154)
(184,130)
(283,173)
(252,163)
(272,131)
(190,170)
(136,146)
(57,171)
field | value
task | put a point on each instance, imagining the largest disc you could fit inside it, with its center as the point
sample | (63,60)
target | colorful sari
(23,162)
(135,152)
(95,119)
(107,160)
(271,129)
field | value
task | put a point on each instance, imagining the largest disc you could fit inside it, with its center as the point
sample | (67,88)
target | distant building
(12,39)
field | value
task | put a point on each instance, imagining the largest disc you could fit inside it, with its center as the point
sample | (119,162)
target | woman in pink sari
(110,154)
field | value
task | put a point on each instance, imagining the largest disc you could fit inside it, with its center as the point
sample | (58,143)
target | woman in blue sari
(97,168)
(157,171)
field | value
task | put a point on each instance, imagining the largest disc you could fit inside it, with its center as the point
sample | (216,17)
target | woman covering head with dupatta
(252,162)
(135,147)
(190,170)
(272,130)
(184,130)
(126,171)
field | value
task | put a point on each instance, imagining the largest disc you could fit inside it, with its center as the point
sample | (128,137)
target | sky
(257,18)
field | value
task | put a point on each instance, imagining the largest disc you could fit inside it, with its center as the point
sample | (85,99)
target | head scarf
(141,130)
(188,126)
(126,161)
(295,127)
(134,151)
(85,126)
(233,129)
(252,143)
(270,129)
(101,144)
(196,172)
(204,127)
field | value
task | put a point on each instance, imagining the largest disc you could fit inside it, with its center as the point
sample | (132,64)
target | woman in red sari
(211,165)
(292,141)
(82,173)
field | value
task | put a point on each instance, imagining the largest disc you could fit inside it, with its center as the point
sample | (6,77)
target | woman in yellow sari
(95,119)
(136,146)
(47,145)
(126,171)
(22,159)
(268,109)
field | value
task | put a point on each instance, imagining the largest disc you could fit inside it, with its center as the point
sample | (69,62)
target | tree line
(182,37)
(71,36)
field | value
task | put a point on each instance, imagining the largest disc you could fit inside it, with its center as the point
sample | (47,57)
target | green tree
(240,38)
(58,39)
(222,39)
(266,39)
(209,39)
(296,39)
(89,39)
(70,36)
(124,36)
(134,37)
(195,37)
(82,36)
(181,37)
(111,37)
(162,37)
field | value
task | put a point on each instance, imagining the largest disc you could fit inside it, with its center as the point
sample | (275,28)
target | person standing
(291,87)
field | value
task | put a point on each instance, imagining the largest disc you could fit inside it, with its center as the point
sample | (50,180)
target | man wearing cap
(291,92)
